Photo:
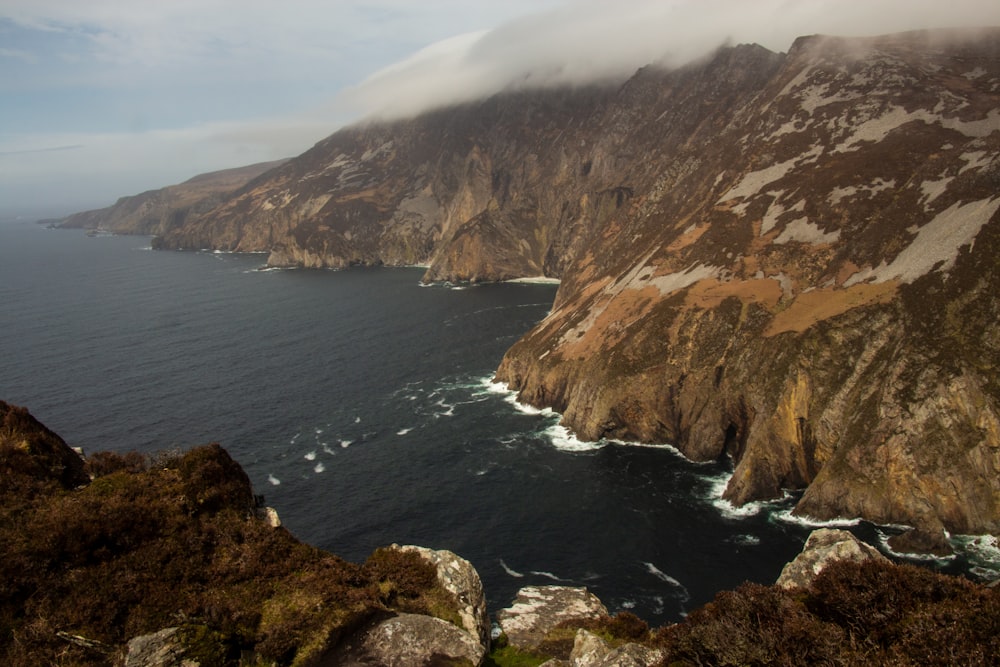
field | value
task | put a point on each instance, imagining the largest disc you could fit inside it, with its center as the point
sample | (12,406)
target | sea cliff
(786,259)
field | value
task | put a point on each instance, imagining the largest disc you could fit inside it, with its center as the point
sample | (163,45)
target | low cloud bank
(589,41)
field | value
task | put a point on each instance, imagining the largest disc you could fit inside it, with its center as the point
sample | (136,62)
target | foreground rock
(537,610)
(461,579)
(409,640)
(589,650)
(824,547)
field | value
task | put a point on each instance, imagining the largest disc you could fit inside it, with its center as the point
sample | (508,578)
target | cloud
(585,41)
(151,93)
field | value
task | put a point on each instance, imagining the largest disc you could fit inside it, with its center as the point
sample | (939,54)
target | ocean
(362,406)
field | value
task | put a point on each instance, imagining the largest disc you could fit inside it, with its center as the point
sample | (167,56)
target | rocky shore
(172,562)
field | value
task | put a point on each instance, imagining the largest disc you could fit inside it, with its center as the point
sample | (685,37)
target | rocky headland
(172,562)
(159,211)
(787,259)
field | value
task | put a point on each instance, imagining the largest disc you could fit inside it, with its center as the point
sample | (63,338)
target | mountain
(156,211)
(786,259)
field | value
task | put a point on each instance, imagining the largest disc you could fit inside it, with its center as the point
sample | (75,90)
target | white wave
(564,439)
(627,604)
(357,420)
(311,456)
(273,480)
(508,570)
(666,578)
(326,448)
(318,431)
(717,487)
(548,575)
(404,431)
(984,550)
(319,467)
(659,606)
(294,438)
(811,522)
(744,540)
(344,444)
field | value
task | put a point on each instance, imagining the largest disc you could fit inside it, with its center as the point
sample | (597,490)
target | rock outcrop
(589,650)
(537,610)
(786,259)
(457,576)
(415,639)
(824,546)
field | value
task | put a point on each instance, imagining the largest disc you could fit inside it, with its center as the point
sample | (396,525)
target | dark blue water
(360,404)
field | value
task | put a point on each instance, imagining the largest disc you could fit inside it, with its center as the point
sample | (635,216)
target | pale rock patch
(539,609)
(936,245)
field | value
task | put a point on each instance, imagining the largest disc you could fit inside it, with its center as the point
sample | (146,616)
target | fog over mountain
(585,42)
(113,98)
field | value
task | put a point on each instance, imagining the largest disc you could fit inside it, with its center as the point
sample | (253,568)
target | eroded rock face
(824,546)
(810,291)
(538,609)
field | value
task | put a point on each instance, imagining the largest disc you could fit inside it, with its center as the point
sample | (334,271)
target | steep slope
(156,211)
(814,293)
(786,259)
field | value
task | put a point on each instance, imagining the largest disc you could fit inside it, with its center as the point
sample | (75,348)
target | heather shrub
(752,625)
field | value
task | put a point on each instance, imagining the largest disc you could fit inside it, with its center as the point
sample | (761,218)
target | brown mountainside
(786,258)
(157,211)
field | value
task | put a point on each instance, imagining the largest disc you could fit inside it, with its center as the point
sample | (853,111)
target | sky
(105,98)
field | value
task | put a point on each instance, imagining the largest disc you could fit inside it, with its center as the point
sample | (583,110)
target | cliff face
(783,258)
(812,293)
(157,211)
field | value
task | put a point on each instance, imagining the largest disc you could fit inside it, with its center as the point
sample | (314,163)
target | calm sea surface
(361,405)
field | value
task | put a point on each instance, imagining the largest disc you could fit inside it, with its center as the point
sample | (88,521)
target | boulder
(408,640)
(824,546)
(461,579)
(589,650)
(159,649)
(539,609)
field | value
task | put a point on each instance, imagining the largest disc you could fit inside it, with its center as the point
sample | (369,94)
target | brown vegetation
(172,542)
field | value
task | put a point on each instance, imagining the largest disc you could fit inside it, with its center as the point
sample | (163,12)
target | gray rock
(410,640)
(461,579)
(824,546)
(160,649)
(270,516)
(589,650)
(538,609)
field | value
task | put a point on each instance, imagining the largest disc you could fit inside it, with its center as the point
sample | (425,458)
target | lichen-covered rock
(461,579)
(589,650)
(539,609)
(824,546)
(412,640)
